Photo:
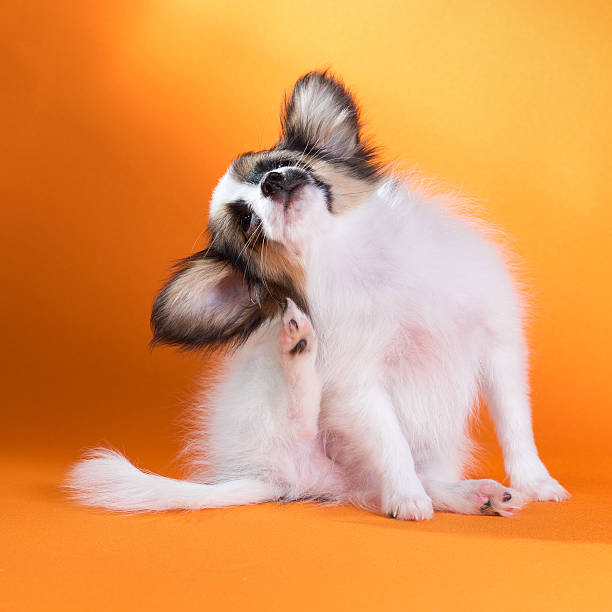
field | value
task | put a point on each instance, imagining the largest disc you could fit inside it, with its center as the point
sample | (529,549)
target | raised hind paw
(297,336)
(297,344)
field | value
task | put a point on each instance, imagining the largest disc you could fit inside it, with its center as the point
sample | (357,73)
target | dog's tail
(106,479)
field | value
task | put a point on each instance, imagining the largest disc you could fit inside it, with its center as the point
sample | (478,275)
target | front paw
(544,488)
(408,506)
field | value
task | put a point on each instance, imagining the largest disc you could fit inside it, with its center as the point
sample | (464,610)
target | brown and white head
(265,215)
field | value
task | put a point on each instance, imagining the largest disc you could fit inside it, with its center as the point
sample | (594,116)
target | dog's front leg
(374,433)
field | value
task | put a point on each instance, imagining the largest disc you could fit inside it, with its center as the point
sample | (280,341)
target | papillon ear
(321,115)
(205,304)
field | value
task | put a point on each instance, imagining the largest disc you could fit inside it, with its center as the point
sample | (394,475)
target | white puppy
(362,319)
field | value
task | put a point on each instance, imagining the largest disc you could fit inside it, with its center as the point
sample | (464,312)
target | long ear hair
(322,117)
(207,303)
(216,298)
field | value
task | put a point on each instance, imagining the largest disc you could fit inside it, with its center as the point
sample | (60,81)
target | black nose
(277,182)
(273,183)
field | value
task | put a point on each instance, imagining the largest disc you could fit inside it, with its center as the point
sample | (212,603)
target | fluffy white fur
(415,314)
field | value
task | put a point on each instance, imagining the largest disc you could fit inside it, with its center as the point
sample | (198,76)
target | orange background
(119,117)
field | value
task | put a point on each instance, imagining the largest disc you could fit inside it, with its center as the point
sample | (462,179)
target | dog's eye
(245,222)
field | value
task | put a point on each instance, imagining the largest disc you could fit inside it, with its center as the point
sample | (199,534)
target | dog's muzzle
(280,186)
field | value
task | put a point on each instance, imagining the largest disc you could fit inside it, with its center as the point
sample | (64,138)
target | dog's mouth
(289,197)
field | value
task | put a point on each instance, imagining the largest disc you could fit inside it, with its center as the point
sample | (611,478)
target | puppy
(361,318)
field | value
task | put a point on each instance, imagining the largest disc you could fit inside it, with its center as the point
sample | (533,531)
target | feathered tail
(106,479)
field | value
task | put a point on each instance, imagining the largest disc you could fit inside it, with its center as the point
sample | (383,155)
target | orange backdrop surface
(119,117)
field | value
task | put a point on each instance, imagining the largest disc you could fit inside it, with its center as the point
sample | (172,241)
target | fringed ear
(321,118)
(206,304)
(321,114)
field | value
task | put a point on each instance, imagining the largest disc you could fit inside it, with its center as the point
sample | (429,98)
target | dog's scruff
(363,318)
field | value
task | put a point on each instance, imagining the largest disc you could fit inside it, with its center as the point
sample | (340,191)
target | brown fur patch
(347,191)
(244,168)
(265,264)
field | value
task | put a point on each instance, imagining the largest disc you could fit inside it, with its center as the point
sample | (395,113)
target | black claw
(293,323)
(488,509)
(300,347)
(507,497)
